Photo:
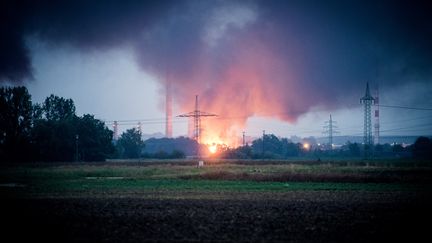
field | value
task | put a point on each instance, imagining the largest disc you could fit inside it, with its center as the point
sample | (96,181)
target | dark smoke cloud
(288,55)
(342,42)
(84,24)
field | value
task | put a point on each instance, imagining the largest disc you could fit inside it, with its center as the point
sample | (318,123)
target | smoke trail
(244,58)
(248,59)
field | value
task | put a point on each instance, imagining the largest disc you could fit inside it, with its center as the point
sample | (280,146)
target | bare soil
(315,216)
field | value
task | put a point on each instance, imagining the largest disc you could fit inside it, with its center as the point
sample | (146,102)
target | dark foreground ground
(315,216)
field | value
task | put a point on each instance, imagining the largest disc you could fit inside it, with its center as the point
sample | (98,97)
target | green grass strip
(211,185)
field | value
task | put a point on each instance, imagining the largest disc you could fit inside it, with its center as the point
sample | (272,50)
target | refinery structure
(371,121)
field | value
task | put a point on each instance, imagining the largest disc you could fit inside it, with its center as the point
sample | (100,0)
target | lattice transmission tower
(330,128)
(196,115)
(367,102)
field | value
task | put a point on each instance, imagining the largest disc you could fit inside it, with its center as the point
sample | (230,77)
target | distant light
(306,146)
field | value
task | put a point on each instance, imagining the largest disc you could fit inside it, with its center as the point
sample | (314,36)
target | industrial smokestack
(168,109)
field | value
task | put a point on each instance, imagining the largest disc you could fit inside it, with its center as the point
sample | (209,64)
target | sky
(278,66)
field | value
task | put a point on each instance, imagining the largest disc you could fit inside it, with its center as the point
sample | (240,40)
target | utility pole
(76,147)
(244,139)
(197,114)
(367,101)
(263,139)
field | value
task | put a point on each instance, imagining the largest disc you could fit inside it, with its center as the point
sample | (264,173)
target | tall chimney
(168,109)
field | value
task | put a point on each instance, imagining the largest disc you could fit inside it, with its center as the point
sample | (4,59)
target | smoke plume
(244,58)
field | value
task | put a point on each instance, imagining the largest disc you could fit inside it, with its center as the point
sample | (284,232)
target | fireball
(212,148)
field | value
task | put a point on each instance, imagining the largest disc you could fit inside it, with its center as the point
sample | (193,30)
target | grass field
(222,201)
(71,179)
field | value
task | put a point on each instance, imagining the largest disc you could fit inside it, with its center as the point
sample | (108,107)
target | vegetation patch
(371,177)
(126,179)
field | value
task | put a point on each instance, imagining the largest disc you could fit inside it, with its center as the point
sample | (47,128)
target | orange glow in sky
(239,91)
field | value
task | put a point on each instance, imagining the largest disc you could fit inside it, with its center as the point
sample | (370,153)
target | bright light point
(212,148)
(306,146)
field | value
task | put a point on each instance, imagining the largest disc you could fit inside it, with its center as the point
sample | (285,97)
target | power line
(149,121)
(305,131)
(134,123)
(407,120)
(162,120)
(139,120)
(410,127)
(406,107)
(421,127)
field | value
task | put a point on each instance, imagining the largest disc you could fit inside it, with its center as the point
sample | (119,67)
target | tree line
(272,147)
(52,131)
(49,131)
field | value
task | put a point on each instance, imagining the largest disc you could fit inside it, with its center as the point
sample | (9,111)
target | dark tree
(15,123)
(422,148)
(292,149)
(177,154)
(37,112)
(60,135)
(58,108)
(169,145)
(48,131)
(397,148)
(54,131)
(244,152)
(354,149)
(267,147)
(161,155)
(274,148)
(54,140)
(130,144)
(94,139)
